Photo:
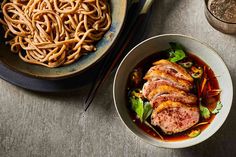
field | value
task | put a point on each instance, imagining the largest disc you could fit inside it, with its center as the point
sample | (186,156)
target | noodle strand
(54,33)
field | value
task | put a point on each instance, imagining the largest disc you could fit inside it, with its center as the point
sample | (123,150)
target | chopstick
(108,66)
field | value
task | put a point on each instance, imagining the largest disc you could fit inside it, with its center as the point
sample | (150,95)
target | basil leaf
(177,52)
(147,110)
(204,111)
(143,110)
(178,55)
(137,106)
(218,107)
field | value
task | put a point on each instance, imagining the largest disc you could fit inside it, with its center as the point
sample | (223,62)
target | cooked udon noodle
(54,32)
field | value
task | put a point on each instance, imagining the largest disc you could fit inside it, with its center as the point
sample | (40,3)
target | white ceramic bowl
(154,45)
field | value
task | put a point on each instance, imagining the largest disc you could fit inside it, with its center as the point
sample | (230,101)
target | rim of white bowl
(223,116)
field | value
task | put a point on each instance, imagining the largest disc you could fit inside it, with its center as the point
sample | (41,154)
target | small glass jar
(217,23)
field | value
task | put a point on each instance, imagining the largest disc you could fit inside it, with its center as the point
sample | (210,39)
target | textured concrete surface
(40,125)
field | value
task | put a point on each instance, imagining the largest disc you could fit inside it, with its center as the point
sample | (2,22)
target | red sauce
(211,104)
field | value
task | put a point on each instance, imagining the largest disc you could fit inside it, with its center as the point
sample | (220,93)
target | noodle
(53,33)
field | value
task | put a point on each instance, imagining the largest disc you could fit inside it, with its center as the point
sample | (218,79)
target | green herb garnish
(143,110)
(147,110)
(176,52)
(137,106)
(218,108)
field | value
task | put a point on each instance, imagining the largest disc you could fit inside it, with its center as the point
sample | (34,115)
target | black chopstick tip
(86,108)
(88,102)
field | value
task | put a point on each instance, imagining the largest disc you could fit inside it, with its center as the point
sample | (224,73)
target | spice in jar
(224,10)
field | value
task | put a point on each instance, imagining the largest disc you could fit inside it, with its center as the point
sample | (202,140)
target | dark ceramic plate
(12,61)
(45,85)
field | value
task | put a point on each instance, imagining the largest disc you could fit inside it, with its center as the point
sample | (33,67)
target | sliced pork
(164,89)
(176,97)
(174,117)
(173,69)
(168,91)
(155,74)
(150,85)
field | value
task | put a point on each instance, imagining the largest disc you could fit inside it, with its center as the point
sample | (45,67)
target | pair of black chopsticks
(135,17)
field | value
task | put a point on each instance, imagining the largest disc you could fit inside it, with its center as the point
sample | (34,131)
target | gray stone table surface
(54,125)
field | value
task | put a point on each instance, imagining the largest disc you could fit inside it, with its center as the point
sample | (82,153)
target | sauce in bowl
(210,102)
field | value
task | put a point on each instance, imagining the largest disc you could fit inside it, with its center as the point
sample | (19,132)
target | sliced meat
(167,88)
(163,89)
(174,117)
(151,85)
(153,75)
(176,97)
(173,69)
